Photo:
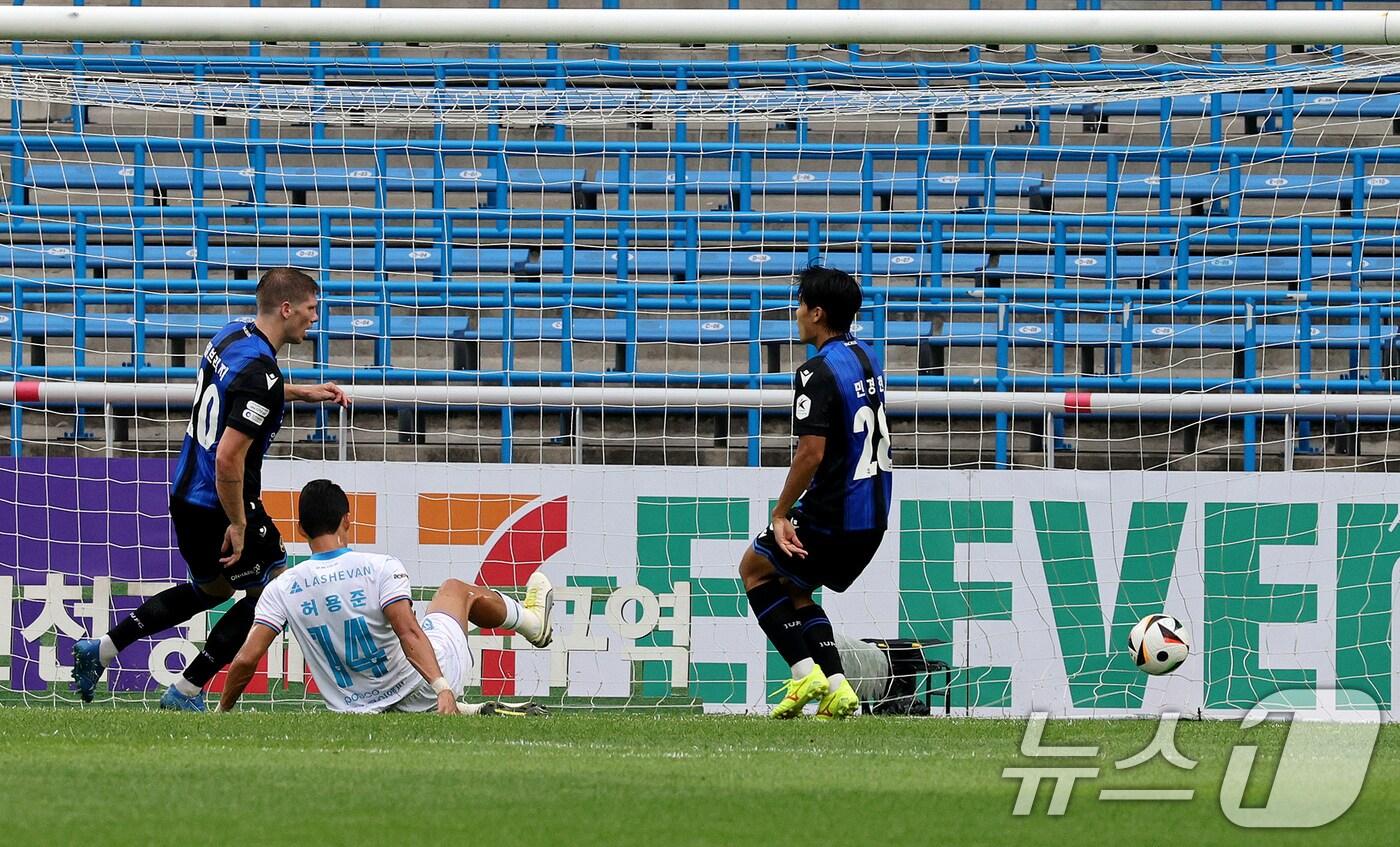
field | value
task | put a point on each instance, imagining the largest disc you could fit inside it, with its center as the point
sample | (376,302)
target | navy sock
(223,643)
(171,607)
(820,638)
(778,618)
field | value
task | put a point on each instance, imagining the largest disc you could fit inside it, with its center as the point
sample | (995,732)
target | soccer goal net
(1134,301)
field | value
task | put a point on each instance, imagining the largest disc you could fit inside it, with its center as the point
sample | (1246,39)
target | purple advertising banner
(82,543)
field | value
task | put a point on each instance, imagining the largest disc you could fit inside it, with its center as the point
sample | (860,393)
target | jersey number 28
(872,422)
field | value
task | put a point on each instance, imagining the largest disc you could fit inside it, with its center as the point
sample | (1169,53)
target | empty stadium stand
(1225,242)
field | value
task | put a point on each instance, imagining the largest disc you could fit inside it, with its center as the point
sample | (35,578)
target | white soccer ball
(1159,644)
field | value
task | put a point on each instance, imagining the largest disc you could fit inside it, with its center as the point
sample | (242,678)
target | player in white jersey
(352,614)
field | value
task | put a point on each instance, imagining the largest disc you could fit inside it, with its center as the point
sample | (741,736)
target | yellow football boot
(800,692)
(839,704)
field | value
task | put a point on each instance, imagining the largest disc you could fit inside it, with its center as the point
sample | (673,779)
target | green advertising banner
(1024,583)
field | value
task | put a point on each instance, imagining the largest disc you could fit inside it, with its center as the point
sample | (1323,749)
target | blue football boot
(87,667)
(173,700)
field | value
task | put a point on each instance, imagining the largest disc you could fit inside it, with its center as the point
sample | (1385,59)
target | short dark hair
(321,507)
(284,285)
(834,291)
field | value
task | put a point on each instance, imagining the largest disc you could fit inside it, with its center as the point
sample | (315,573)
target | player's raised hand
(233,544)
(786,535)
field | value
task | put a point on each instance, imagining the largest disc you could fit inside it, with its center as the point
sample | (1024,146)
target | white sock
(803,668)
(107,650)
(527,623)
(185,687)
(513,611)
(836,679)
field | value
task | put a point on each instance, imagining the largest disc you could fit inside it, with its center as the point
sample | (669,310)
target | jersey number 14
(875,451)
(361,653)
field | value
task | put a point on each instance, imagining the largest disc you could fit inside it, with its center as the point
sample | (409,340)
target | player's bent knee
(454,597)
(454,586)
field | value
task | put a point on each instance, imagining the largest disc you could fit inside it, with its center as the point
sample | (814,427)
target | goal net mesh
(1094,219)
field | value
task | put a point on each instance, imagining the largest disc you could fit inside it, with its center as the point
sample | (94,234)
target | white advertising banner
(1025,583)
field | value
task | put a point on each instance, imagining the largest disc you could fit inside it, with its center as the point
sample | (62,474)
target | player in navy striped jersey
(223,532)
(842,475)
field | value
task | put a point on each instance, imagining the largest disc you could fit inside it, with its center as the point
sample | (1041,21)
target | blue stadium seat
(1260,111)
(42,326)
(1163,269)
(1090,337)
(1378,269)
(162,179)
(247,259)
(672,263)
(919,264)
(1096,185)
(61,256)
(772,334)
(1040,266)
(746,263)
(186,326)
(822,183)
(1220,188)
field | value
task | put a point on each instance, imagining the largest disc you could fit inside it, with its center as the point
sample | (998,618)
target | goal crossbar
(56,394)
(686,26)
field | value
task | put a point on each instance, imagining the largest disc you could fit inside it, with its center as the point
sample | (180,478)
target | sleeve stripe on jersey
(269,624)
(392,600)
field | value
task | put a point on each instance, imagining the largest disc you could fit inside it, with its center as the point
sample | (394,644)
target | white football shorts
(450,645)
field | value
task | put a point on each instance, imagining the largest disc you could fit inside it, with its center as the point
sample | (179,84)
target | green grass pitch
(123,776)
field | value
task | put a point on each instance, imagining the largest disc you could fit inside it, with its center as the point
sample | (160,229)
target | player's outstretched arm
(810,450)
(325,392)
(419,651)
(245,664)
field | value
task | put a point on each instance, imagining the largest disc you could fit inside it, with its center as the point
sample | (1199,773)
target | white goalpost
(1133,281)
(690,26)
